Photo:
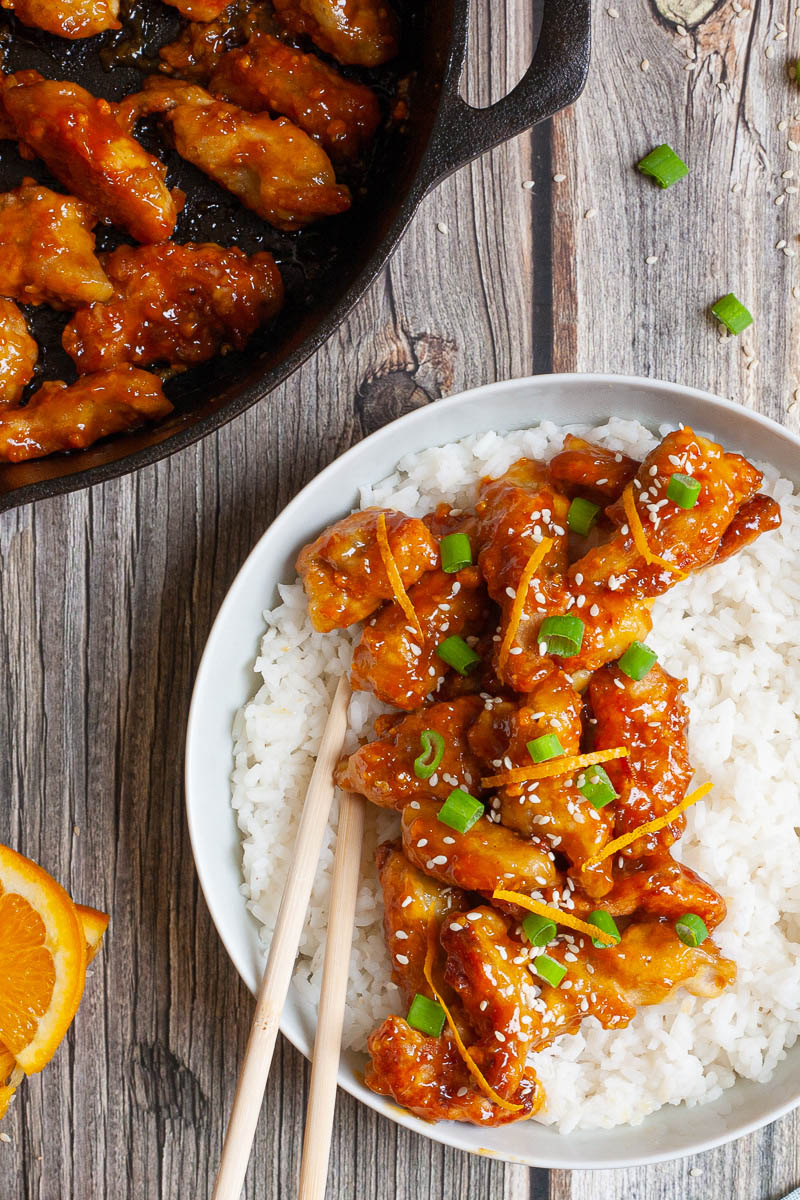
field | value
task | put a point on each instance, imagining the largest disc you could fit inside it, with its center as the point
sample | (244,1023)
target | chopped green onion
(432,752)
(732,313)
(691,929)
(538,930)
(545,747)
(456,552)
(460,811)
(596,786)
(582,515)
(663,165)
(426,1015)
(551,971)
(606,922)
(456,653)
(637,661)
(683,490)
(561,635)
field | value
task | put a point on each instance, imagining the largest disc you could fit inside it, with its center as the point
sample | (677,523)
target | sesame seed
(440,860)
(651,258)
(613,13)
(473,916)
(441,227)
(528,184)
(590,212)
(462,1091)
(421,843)
(408,900)
(645,64)
(559,178)
(402,959)
(769,52)
(783,125)
(402,935)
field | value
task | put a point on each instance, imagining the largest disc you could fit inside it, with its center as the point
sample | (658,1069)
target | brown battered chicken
(47,249)
(341,114)
(362,33)
(174,304)
(58,417)
(79,139)
(66,18)
(18,354)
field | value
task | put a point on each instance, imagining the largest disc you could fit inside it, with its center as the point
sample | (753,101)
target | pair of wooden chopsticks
(278,973)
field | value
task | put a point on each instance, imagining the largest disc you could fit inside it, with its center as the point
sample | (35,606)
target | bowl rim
(443,1131)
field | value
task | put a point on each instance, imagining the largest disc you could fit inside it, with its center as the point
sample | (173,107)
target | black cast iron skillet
(327,267)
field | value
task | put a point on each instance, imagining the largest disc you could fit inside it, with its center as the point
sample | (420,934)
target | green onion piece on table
(432,744)
(561,635)
(663,165)
(543,748)
(457,654)
(456,552)
(637,661)
(732,313)
(460,811)
(538,930)
(691,929)
(550,971)
(683,490)
(426,1015)
(606,923)
(582,515)
(596,787)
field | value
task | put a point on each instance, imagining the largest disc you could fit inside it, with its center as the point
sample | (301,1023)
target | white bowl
(226,679)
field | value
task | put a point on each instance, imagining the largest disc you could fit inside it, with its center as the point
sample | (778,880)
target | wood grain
(106,597)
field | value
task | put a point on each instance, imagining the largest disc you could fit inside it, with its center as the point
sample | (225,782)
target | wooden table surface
(107,596)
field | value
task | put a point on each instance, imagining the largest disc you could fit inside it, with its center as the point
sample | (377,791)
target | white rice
(734,632)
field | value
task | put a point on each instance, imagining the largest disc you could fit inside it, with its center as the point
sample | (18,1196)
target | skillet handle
(554,79)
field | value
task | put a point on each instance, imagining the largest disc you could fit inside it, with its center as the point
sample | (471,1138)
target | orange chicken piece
(174,304)
(18,354)
(362,33)
(66,18)
(584,467)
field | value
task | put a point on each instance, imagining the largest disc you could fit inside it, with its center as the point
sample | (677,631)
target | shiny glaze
(341,114)
(198,49)
(392,660)
(343,572)
(174,304)
(199,10)
(486,857)
(18,354)
(66,18)
(363,33)
(383,770)
(583,468)
(650,718)
(657,886)
(47,249)
(82,144)
(754,517)
(58,417)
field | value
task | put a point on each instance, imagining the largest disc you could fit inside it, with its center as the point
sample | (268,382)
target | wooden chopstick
(327,1044)
(282,955)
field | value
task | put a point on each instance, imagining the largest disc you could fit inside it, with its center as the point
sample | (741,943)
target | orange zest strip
(390,566)
(556,766)
(639,539)
(472,1066)
(555,914)
(650,827)
(521,595)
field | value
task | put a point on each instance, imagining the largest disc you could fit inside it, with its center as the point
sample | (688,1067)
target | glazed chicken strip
(383,770)
(427,1076)
(489,973)
(688,538)
(273,167)
(411,902)
(198,49)
(646,967)
(486,857)
(174,304)
(754,517)
(343,573)
(516,512)
(58,417)
(552,809)
(657,886)
(18,354)
(47,249)
(583,467)
(650,718)
(85,148)
(362,33)
(66,18)
(341,114)
(393,662)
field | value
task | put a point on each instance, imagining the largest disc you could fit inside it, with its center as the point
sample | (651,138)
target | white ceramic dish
(226,679)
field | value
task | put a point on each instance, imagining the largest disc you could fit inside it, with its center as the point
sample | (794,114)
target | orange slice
(42,961)
(94,924)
